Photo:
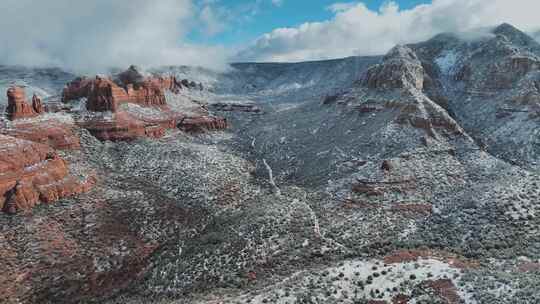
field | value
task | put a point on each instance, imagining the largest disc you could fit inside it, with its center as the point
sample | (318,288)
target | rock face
(103,94)
(17,105)
(490,87)
(400,69)
(76,89)
(33,173)
(37,105)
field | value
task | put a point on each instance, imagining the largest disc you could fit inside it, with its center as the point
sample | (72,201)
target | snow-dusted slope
(278,82)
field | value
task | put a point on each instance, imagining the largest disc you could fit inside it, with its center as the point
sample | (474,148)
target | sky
(91,36)
(250,19)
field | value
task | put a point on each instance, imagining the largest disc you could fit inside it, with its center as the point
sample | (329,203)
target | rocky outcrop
(425,114)
(138,106)
(125,126)
(202,123)
(130,86)
(32,173)
(400,69)
(17,105)
(103,94)
(149,93)
(37,105)
(51,132)
(77,89)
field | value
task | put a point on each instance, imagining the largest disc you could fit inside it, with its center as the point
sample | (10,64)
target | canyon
(410,177)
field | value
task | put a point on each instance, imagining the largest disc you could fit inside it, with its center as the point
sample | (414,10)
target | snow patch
(447,61)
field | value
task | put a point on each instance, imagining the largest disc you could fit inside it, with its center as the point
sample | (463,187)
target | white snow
(447,61)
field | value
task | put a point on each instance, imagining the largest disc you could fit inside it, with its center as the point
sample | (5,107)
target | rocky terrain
(405,178)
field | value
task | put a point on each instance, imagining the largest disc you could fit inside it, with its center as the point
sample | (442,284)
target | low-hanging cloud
(94,35)
(357,30)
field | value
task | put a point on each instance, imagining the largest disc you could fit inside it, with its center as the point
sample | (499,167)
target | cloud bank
(357,30)
(99,34)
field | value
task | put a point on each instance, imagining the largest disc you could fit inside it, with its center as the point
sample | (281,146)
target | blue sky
(248,19)
(212,33)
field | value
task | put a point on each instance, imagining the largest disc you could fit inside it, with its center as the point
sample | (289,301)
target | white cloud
(214,23)
(94,35)
(357,30)
(341,6)
(277,3)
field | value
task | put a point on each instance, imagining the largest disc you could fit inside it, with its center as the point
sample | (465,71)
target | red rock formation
(125,126)
(78,88)
(133,77)
(37,105)
(202,123)
(105,95)
(149,93)
(17,106)
(32,173)
(51,132)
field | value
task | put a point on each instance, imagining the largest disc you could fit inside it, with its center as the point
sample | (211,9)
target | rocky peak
(400,69)
(514,35)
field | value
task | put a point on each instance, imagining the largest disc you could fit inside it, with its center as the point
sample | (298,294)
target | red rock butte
(131,87)
(103,94)
(17,105)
